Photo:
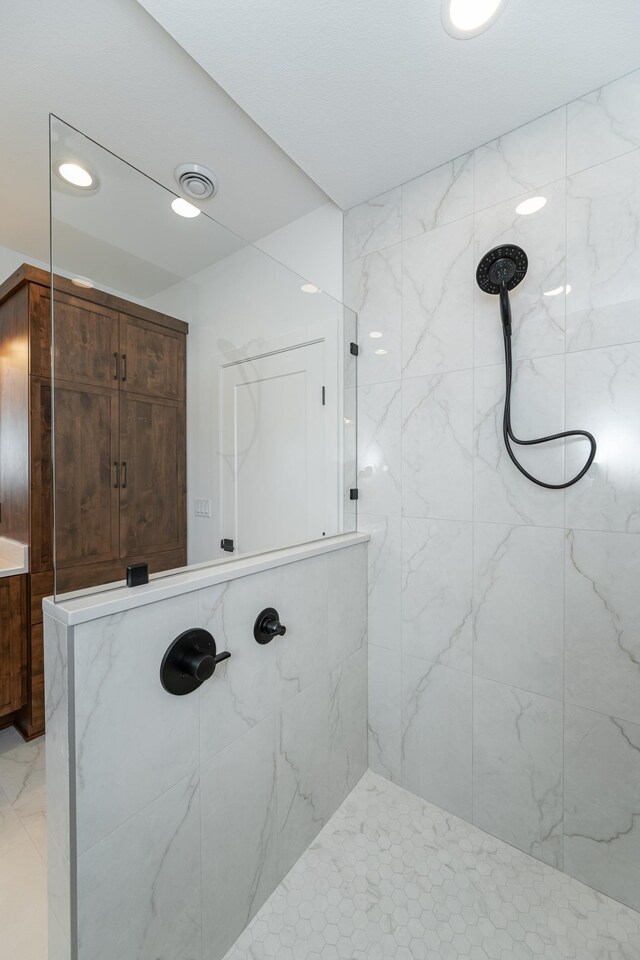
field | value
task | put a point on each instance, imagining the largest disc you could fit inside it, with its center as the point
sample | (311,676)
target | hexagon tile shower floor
(393,876)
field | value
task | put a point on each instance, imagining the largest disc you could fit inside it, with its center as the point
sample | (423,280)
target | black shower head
(502,267)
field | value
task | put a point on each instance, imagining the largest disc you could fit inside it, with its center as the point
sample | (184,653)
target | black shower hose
(509,435)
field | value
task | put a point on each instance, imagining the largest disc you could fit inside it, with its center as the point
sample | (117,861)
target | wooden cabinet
(153,478)
(13,647)
(153,359)
(119,422)
(85,338)
(87,474)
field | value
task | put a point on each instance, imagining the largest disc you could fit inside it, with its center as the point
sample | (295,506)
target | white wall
(10,260)
(242,306)
(312,247)
(267,749)
(504,641)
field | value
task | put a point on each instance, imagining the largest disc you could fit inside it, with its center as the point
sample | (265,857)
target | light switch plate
(202,508)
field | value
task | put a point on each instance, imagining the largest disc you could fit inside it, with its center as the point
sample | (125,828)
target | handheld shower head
(502,267)
(499,271)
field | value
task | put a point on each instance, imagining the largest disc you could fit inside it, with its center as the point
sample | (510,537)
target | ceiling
(109,69)
(365,94)
(125,236)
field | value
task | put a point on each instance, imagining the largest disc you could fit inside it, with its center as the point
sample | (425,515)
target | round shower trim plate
(196,181)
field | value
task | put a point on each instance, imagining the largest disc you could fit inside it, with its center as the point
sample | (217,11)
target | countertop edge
(94,606)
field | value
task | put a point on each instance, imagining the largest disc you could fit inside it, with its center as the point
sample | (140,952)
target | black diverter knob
(190,660)
(198,665)
(268,626)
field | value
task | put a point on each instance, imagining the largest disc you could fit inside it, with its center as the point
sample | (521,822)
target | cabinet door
(86,339)
(153,492)
(153,359)
(87,474)
(13,660)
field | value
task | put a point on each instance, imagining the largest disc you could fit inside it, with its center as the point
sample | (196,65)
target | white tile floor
(23,879)
(389,876)
(393,876)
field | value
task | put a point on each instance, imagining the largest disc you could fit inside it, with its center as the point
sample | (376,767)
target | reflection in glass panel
(204,395)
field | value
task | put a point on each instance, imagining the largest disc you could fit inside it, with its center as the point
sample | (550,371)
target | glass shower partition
(204,394)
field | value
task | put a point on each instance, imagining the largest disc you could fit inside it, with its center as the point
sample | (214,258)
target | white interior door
(274,463)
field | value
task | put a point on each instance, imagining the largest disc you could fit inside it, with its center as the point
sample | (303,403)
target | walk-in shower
(501,270)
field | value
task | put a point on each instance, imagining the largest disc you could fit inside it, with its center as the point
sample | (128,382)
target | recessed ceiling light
(184,209)
(310,288)
(83,282)
(379,353)
(467,18)
(75,174)
(532,205)
(375,334)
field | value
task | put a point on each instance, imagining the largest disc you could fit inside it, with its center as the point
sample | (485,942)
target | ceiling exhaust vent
(196,181)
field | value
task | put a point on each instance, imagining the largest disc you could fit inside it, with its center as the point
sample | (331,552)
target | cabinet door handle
(124,474)
(124,366)
(116,357)
(116,466)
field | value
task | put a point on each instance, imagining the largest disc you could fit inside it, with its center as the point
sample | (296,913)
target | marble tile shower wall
(504,619)
(190,810)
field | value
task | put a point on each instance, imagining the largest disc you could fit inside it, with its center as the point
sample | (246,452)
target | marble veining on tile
(604,124)
(466,511)
(603,254)
(602,802)
(372,287)
(151,906)
(437,423)
(436,734)
(23,870)
(385,707)
(521,160)
(379,458)
(517,768)
(603,392)
(518,606)
(392,876)
(373,225)
(438,197)
(437,300)
(384,579)
(602,632)
(436,591)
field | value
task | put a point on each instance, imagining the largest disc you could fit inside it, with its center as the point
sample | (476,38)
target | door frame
(333,404)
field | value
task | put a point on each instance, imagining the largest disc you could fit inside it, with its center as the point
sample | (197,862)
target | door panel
(86,435)
(153,359)
(153,493)
(12,644)
(41,548)
(274,461)
(86,339)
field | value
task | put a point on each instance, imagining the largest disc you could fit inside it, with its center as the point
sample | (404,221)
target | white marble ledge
(14,557)
(91,605)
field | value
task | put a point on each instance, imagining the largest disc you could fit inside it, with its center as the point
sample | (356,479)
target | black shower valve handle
(190,661)
(268,626)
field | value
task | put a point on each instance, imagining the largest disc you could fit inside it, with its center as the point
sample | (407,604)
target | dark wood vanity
(120,425)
